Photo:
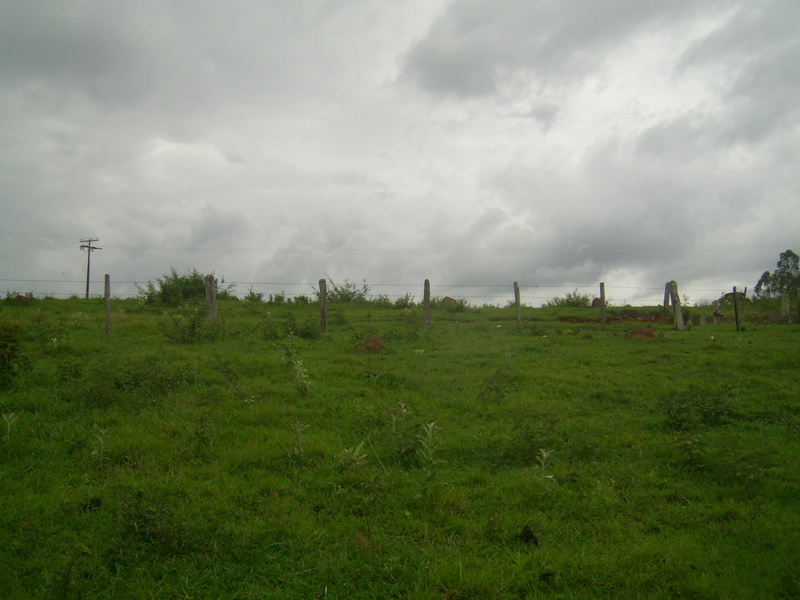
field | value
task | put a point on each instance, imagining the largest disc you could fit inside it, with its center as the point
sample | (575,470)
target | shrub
(460,305)
(254,296)
(571,300)
(176,288)
(195,327)
(311,329)
(382,301)
(450,304)
(347,292)
(404,302)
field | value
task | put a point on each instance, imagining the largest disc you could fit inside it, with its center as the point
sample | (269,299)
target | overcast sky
(472,142)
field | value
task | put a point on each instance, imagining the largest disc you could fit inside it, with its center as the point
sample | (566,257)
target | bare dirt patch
(372,345)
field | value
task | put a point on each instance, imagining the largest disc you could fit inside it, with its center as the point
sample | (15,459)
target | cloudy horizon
(469,142)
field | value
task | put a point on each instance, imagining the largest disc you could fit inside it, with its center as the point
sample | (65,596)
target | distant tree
(785,277)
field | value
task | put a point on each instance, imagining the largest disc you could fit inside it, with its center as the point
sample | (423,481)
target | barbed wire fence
(474,293)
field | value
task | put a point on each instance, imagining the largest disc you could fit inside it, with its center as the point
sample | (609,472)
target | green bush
(460,305)
(405,302)
(193,328)
(571,300)
(254,296)
(347,292)
(173,289)
(311,329)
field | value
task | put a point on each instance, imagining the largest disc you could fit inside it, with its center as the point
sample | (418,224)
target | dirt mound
(642,333)
(372,345)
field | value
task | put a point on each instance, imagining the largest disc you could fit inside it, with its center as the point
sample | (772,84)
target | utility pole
(86,244)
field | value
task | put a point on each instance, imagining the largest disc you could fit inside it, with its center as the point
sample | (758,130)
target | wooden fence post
(736,310)
(211,297)
(426,304)
(517,303)
(717,314)
(676,305)
(603,304)
(323,305)
(108,304)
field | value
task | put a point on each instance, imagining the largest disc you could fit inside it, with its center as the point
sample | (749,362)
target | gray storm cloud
(473,142)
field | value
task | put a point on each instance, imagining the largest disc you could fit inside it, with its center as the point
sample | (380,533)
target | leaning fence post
(323,305)
(676,305)
(517,303)
(426,303)
(107,295)
(211,297)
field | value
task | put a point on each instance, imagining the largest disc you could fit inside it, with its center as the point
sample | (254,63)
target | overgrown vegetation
(475,459)
(346,293)
(572,299)
(174,289)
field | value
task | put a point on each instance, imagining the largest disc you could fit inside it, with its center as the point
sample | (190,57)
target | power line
(32,234)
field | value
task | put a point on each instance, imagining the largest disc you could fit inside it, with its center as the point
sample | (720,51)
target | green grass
(179,460)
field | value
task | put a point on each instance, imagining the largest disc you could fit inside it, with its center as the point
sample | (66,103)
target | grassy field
(259,458)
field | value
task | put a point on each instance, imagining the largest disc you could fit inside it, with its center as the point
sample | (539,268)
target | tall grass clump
(10,333)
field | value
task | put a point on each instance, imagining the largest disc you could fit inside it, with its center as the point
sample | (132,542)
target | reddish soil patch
(642,333)
(20,299)
(372,345)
